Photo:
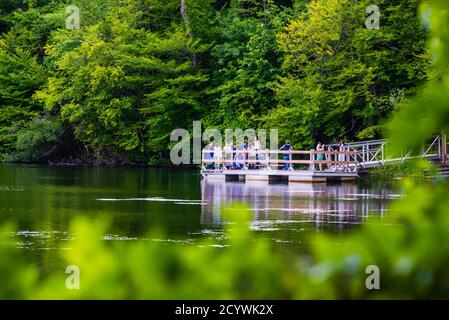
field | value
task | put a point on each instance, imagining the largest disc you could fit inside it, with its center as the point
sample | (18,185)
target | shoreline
(92,164)
(394,171)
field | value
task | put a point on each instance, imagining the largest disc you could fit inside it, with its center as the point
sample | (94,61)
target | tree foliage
(341,79)
(138,69)
(121,87)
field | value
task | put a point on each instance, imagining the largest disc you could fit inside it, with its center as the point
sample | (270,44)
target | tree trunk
(187,25)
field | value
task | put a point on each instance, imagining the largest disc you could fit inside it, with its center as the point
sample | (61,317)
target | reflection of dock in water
(298,176)
(315,203)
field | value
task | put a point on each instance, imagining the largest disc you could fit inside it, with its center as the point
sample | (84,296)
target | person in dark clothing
(234,149)
(240,158)
(287,156)
(209,155)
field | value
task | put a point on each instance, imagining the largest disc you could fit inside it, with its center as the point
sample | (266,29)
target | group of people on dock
(323,156)
(233,156)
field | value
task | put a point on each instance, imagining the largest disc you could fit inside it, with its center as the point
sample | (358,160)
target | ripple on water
(375,196)
(156,199)
(114,237)
(12,188)
(44,240)
(186,241)
(305,211)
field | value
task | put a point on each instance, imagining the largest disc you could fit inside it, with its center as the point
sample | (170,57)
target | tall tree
(122,87)
(341,78)
(246,64)
(21,71)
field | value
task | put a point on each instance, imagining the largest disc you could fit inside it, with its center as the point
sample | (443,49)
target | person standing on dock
(327,157)
(234,154)
(209,154)
(256,146)
(320,156)
(251,157)
(342,157)
(287,156)
(218,156)
(245,146)
(240,158)
(228,155)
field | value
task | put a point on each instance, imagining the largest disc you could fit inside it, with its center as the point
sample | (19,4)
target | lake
(42,200)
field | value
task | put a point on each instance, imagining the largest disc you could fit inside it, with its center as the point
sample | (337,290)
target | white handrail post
(268,158)
(443,147)
(202,160)
(290,165)
(312,161)
(363,154)
(355,163)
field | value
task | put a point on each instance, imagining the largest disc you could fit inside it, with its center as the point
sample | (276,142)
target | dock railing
(333,161)
(375,152)
(357,155)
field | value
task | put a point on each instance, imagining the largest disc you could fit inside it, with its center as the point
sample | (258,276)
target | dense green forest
(114,89)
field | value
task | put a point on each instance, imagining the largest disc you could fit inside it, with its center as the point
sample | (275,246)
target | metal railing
(330,161)
(374,153)
(364,154)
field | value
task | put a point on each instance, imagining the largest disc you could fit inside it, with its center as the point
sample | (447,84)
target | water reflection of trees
(320,204)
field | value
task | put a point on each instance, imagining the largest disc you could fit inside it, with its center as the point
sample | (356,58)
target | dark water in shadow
(42,200)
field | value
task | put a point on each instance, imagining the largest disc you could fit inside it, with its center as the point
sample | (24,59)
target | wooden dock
(304,166)
(265,166)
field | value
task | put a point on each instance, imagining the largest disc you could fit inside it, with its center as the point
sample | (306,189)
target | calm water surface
(42,200)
